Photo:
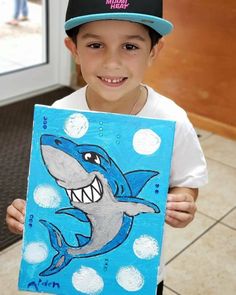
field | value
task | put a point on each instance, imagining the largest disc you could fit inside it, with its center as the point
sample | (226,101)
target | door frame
(21,84)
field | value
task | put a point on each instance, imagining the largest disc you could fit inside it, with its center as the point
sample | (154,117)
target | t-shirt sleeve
(188,167)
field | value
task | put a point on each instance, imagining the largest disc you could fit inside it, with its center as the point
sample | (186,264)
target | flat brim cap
(146,12)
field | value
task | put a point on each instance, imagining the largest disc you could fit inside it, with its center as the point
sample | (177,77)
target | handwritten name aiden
(117,4)
(36,285)
(40,285)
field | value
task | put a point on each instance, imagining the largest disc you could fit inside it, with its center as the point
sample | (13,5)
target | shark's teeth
(76,194)
(89,194)
(87,191)
(96,195)
(96,185)
(86,198)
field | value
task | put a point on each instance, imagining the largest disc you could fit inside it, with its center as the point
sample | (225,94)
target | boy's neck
(130,105)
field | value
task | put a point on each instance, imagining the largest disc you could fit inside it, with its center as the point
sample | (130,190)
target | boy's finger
(180,216)
(182,206)
(172,221)
(14,226)
(179,198)
(14,213)
(19,204)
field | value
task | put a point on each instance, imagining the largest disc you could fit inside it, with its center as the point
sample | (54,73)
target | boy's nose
(112,60)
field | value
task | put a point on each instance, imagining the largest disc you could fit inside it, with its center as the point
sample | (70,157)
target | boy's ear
(155,51)
(72,48)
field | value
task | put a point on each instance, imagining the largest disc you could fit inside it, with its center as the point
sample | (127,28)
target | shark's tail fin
(58,242)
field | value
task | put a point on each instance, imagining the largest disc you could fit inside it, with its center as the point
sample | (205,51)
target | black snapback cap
(146,12)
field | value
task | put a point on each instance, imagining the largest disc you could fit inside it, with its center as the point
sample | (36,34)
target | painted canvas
(96,201)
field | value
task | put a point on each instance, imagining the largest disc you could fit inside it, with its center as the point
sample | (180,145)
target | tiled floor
(201,259)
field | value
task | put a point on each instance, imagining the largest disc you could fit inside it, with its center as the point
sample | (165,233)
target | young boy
(114,42)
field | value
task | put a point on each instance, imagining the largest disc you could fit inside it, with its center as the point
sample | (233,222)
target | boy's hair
(154,36)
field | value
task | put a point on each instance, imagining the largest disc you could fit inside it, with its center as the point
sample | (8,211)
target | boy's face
(113,56)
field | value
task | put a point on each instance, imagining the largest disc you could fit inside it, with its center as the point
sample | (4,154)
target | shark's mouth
(89,194)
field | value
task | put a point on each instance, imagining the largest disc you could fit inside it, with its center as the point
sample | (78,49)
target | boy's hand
(181,207)
(15,217)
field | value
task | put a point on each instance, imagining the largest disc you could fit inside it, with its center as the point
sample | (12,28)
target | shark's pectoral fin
(82,240)
(138,205)
(137,179)
(74,212)
(134,209)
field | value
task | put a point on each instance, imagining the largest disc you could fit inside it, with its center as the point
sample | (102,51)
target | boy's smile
(113,56)
(113,81)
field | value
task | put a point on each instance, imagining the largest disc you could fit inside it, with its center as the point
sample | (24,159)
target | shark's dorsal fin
(74,212)
(137,179)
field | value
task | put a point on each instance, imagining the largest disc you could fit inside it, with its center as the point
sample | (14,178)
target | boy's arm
(181,207)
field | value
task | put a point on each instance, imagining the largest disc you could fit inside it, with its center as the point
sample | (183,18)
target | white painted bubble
(76,125)
(146,247)
(146,142)
(46,196)
(35,252)
(88,281)
(130,278)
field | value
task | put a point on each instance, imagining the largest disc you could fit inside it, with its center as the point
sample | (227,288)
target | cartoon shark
(100,194)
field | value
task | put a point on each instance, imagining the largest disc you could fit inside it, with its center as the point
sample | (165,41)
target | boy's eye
(95,45)
(130,47)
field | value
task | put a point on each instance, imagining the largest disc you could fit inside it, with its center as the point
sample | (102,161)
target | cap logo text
(117,4)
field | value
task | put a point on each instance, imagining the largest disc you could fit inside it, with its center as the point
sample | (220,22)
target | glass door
(32,52)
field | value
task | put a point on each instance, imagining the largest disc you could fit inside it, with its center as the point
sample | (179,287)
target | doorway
(32,51)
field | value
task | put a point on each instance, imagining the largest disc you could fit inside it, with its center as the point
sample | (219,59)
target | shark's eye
(58,142)
(92,158)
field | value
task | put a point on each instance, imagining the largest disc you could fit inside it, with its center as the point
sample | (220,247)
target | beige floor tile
(230,220)
(206,267)
(218,196)
(178,238)
(221,149)
(10,260)
(168,292)
(202,134)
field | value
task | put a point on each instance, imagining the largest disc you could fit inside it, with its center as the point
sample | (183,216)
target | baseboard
(29,94)
(213,126)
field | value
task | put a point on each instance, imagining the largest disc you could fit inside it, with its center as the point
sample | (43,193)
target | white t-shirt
(188,167)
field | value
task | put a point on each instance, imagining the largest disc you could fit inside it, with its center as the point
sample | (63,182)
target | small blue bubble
(101,123)
(101,134)
(157,191)
(118,136)
(118,142)
(101,129)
